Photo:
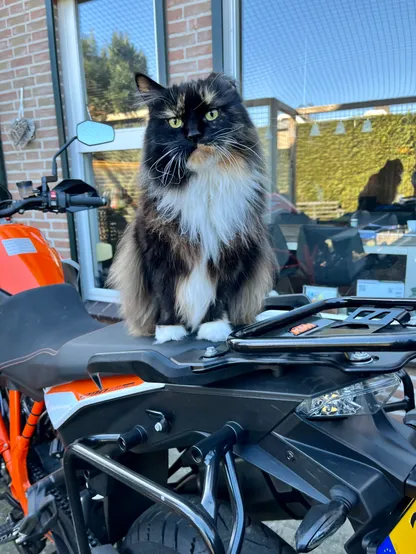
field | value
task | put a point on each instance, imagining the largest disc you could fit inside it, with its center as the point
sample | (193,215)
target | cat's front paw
(215,331)
(166,333)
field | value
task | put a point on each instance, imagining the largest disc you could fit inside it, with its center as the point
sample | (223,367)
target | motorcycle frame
(15,445)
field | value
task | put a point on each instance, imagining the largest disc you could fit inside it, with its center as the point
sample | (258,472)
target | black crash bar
(249,339)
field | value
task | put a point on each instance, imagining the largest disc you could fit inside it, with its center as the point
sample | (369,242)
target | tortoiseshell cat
(197,256)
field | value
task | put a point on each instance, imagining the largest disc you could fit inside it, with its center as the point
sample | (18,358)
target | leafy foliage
(109,75)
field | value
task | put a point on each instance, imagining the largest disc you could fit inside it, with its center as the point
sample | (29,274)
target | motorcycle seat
(48,338)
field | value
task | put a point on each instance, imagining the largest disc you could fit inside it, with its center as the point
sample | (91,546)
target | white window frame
(75,104)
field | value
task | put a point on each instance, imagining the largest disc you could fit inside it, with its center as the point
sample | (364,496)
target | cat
(197,257)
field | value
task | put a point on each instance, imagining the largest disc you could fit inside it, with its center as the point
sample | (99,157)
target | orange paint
(27,271)
(15,423)
(15,448)
(87,388)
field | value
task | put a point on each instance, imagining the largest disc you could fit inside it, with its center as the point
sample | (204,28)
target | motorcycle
(133,447)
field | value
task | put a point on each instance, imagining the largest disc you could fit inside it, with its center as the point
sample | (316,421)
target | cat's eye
(175,122)
(211,115)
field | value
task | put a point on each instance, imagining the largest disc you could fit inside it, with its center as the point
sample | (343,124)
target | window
(329,86)
(103,43)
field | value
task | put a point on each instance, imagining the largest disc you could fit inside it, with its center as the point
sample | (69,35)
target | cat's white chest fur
(212,208)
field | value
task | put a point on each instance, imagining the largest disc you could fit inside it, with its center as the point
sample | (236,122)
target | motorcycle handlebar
(52,202)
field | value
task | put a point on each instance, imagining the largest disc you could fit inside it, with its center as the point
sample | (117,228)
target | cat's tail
(248,302)
(126,275)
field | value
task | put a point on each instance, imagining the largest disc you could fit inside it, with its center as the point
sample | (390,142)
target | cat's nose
(193,134)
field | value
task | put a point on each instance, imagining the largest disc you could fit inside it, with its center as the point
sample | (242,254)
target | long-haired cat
(197,256)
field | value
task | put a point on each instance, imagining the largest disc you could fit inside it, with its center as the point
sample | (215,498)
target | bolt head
(210,352)
(158,427)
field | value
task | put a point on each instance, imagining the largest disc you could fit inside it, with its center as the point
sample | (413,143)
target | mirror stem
(55,158)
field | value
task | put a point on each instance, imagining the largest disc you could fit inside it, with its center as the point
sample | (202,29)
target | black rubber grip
(88,201)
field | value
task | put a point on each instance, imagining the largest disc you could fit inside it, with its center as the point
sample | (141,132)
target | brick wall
(189,39)
(24,62)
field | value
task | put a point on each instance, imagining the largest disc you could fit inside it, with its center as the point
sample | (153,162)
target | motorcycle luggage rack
(214,448)
(250,339)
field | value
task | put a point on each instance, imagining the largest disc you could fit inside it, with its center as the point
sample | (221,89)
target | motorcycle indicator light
(364,398)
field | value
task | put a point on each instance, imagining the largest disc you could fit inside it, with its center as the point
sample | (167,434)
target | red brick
(177,27)
(7,75)
(37,14)
(33,4)
(18,20)
(41,46)
(21,72)
(4,12)
(185,67)
(45,123)
(175,55)
(43,90)
(194,76)
(174,15)
(42,224)
(5,34)
(18,62)
(45,78)
(206,63)
(51,144)
(8,2)
(8,55)
(41,57)
(61,244)
(40,35)
(40,68)
(25,82)
(36,25)
(31,155)
(199,50)
(196,9)
(19,30)
(12,95)
(184,40)
(46,101)
(20,51)
(45,112)
(18,41)
(172,3)
(46,133)
(204,36)
(200,22)
(5,86)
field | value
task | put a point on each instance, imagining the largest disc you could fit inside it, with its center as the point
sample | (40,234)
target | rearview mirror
(92,133)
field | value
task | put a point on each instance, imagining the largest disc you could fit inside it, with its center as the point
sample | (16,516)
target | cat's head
(195,127)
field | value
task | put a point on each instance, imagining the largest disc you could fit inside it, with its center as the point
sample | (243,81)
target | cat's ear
(231,82)
(148,88)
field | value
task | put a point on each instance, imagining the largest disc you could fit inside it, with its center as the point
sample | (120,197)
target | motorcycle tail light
(366,397)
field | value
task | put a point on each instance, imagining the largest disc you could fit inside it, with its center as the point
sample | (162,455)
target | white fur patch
(213,207)
(165,333)
(215,331)
(194,295)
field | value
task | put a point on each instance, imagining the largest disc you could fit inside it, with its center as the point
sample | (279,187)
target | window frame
(76,111)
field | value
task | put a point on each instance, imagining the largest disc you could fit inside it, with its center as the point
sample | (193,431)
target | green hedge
(340,165)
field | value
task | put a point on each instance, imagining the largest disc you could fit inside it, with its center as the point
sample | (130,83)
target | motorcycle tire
(159,531)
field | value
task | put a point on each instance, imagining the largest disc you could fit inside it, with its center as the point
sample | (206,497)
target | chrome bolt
(158,427)
(210,352)
(290,456)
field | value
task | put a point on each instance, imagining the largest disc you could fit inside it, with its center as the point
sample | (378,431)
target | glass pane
(117,39)
(115,175)
(343,179)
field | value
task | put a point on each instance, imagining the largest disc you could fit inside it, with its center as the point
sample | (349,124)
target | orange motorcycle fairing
(28,259)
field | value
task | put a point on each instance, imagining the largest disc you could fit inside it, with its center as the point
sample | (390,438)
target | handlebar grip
(87,201)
